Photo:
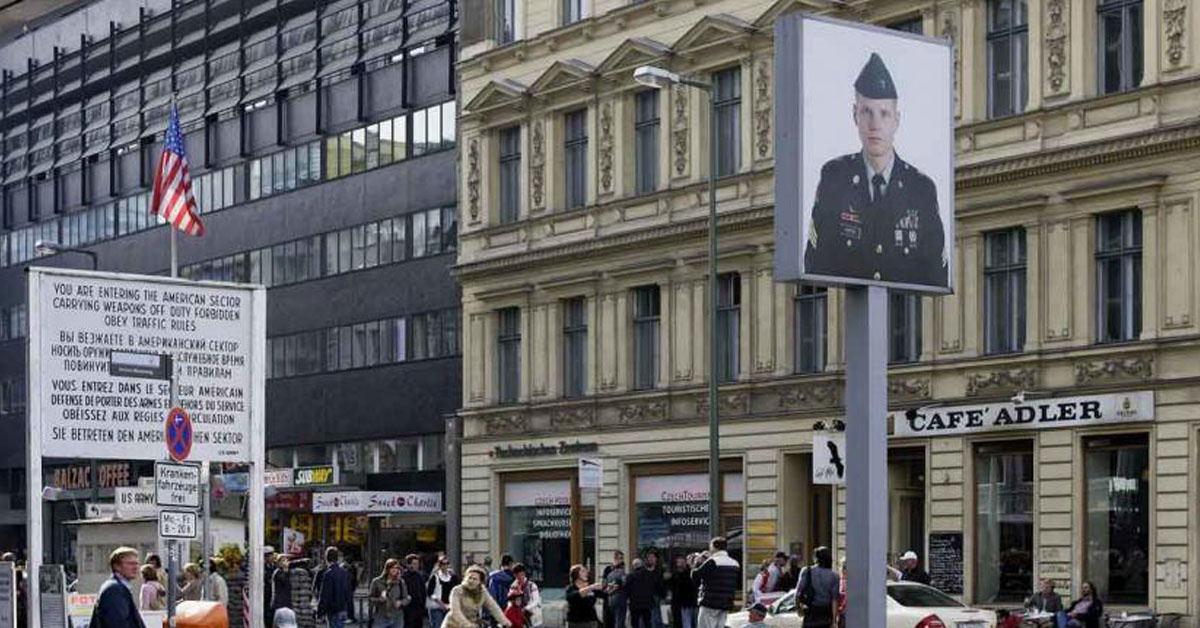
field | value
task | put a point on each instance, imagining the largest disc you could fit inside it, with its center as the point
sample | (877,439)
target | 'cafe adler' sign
(1031,415)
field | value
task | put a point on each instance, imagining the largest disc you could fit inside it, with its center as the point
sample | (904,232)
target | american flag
(173,198)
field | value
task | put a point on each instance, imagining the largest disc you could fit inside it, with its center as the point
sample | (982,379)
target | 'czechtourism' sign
(1034,414)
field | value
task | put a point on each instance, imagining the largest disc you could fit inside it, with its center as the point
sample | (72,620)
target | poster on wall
(293,542)
(864,136)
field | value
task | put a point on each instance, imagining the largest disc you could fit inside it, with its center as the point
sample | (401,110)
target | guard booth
(96,538)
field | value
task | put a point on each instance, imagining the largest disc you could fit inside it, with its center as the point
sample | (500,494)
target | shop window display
(672,513)
(1003,522)
(1118,511)
(537,529)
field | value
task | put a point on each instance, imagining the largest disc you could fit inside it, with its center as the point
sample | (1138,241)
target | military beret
(875,81)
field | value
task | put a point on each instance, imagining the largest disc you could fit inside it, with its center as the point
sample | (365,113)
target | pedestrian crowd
(701,589)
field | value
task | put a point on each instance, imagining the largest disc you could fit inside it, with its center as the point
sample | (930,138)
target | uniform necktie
(877,187)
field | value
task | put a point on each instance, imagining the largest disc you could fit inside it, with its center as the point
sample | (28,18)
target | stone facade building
(583,266)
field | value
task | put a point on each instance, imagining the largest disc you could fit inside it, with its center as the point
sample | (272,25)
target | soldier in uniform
(876,216)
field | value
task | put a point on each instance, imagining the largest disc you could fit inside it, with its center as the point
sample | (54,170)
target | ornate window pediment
(718,28)
(633,52)
(496,94)
(562,74)
(767,20)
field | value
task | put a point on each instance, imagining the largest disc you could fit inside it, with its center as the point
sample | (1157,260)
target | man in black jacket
(414,581)
(644,589)
(717,578)
(337,591)
(912,569)
(115,607)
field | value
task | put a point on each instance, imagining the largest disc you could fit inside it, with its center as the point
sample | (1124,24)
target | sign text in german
(177,485)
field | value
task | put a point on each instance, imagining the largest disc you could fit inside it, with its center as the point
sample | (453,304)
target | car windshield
(920,596)
(786,604)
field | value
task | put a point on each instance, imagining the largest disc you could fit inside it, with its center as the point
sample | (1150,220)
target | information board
(946,562)
(8,595)
(84,412)
(52,596)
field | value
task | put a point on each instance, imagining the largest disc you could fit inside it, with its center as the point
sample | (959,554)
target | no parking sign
(179,434)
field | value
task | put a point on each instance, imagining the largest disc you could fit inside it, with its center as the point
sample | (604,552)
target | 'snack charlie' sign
(1031,415)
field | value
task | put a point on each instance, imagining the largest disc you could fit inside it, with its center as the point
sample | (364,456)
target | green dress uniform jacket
(898,237)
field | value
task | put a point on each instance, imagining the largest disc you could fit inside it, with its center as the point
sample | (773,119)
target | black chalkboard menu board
(946,561)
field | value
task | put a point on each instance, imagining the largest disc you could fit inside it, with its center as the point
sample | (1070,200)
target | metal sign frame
(257,402)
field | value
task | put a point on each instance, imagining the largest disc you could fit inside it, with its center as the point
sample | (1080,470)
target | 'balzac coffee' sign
(1031,415)
(79,476)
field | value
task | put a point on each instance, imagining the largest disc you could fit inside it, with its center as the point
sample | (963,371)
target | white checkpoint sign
(177,485)
(84,412)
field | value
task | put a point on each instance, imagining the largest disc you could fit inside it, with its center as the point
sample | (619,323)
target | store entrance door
(906,483)
(397,536)
(807,507)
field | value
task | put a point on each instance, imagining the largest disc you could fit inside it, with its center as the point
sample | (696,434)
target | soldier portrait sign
(864,167)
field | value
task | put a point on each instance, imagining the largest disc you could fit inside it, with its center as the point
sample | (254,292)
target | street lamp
(46,247)
(658,78)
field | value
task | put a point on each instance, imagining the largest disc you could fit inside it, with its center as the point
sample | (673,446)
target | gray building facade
(321,140)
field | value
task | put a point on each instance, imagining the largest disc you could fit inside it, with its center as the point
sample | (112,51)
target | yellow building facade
(583,265)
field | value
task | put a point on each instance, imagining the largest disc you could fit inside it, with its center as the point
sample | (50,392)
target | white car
(909,605)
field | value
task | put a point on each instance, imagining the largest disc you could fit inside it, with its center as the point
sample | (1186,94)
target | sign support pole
(258,455)
(33,447)
(172,569)
(205,492)
(172,545)
(866,444)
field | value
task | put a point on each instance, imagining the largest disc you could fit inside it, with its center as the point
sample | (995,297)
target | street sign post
(177,524)
(98,342)
(139,364)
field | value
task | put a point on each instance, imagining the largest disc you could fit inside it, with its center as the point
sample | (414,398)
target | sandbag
(200,615)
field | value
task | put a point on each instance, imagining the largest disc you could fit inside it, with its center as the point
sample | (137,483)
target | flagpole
(170,227)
